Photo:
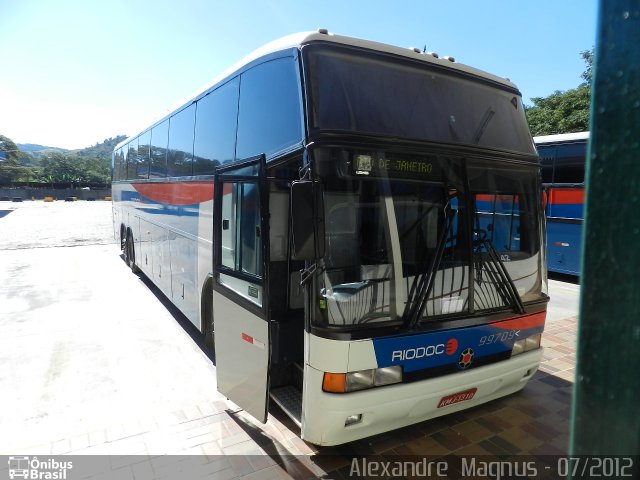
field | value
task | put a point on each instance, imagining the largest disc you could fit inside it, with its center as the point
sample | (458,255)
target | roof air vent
(451,59)
(433,54)
(323,31)
(416,49)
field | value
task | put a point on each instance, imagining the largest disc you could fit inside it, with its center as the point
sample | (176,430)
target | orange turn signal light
(334,382)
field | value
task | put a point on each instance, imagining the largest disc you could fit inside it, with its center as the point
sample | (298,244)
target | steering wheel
(480,234)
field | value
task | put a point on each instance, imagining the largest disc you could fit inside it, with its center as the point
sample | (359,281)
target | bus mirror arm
(307,220)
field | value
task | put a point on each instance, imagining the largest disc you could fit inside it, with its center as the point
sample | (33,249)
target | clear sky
(74,72)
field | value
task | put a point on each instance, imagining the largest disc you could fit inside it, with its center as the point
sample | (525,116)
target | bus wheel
(207,317)
(130,253)
(123,238)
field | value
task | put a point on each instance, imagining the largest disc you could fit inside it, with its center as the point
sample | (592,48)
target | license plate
(457,397)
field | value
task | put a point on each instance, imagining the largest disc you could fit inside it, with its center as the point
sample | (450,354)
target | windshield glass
(359,91)
(406,241)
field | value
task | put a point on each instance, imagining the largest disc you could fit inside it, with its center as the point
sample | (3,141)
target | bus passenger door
(240,292)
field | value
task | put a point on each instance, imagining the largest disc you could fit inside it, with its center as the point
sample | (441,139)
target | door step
(289,398)
(298,375)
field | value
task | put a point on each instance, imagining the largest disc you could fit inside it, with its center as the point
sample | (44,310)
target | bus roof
(561,138)
(298,40)
(303,38)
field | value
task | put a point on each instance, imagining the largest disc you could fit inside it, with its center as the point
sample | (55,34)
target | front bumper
(395,406)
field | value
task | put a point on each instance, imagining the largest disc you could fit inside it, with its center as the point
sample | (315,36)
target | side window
(240,239)
(123,162)
(180,154)
(132,160)
(159,139)
(144,147)
(215,132)
(547,155)
(270,117)
(570,161)
(116,164)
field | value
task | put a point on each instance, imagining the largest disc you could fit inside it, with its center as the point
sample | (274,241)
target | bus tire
(130,252)
(123,238)
(207,319)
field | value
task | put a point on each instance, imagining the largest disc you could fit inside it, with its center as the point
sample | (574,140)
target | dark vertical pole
(606,410)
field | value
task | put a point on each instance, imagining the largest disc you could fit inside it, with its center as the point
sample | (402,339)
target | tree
(10,157)
(70,168)
(587,56)
(62,168)
(563,112)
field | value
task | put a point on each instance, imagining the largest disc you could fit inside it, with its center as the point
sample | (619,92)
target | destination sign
(392,165)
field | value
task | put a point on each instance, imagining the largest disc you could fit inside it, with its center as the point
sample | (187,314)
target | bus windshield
(407,242)
(359,91)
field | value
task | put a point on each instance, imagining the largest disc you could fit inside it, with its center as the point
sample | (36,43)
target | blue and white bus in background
(356,229)
(563,158)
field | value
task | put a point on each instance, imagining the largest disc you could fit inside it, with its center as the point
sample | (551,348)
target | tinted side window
(180,155)
(144,147)
(570,160)
(547,154)
(123,162)
(216,120)
(116,164)
(270,118)
(241,245)
(132,159)
(159,138)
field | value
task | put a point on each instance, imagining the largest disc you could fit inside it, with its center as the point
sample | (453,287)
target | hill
(100,150)
(38,150)
(30,162)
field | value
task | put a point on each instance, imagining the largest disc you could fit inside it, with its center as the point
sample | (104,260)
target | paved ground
(56,224)
(92,361)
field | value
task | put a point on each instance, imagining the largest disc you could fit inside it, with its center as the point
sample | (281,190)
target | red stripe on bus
(178,193)
(483,197)
(568,196)
(522,323)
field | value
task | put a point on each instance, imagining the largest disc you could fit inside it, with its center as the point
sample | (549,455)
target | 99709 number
(497,338)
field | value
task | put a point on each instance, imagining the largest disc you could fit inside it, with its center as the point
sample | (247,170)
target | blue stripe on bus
(156,208)
(563,247)
(565,210)
(436,349)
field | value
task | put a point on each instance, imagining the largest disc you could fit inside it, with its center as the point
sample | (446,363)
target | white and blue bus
(355,228)
(562,158)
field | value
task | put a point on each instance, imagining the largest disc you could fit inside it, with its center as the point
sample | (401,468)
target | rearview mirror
(307,220)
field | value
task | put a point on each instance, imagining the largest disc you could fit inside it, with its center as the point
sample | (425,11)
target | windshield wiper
(499,275)
(423,283)
(488,115)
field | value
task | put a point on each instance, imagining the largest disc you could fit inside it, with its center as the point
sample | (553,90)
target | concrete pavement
(93,362)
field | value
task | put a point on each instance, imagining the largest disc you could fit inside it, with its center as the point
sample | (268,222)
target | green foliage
(88,165)
(563,112)
(560,112)
(100,150)
(60,167)
(587,56)
(11,169)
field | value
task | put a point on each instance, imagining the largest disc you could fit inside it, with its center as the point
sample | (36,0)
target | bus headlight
(361,380)
(526,344)
(387,376)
